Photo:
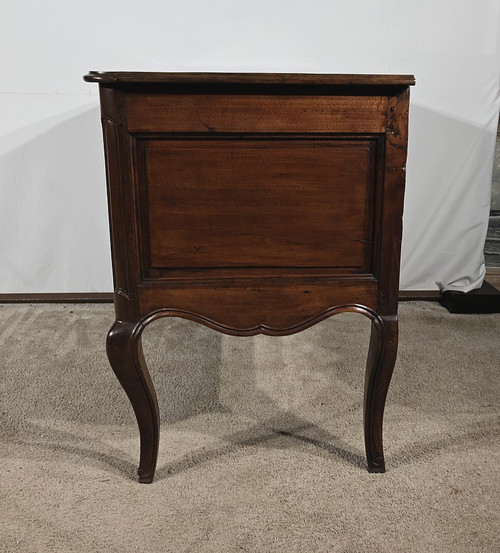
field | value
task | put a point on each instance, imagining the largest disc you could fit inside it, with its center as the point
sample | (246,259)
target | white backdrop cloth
(53,214)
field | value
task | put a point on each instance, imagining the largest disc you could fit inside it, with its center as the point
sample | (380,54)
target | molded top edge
(247,78)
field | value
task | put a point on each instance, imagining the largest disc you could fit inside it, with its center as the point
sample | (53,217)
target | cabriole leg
(379,368)
(125,355)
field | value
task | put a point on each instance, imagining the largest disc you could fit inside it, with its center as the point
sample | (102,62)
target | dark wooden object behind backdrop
(254,203)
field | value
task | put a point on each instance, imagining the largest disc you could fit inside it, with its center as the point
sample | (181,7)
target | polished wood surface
(142,77)
(268,112)
(254,203)
(282,201)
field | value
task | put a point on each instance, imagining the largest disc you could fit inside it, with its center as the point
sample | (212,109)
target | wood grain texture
(120,202)
(254,204)
(379,368)
(124,349)
(299,203)
(220,113)
(396,148)
(144,77)
(278,308)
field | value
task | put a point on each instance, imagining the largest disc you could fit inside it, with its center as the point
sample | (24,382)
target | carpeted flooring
(261,446)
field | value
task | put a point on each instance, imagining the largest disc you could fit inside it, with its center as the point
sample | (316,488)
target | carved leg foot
(379,368)
(125,355)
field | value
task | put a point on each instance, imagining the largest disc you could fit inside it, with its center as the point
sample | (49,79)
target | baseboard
(492,277)
(66,297)
(107,297)
(419,295)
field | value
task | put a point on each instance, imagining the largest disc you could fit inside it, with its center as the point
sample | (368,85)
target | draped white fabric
(53,214)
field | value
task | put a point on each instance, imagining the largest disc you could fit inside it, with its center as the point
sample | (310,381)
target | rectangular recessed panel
(216,203)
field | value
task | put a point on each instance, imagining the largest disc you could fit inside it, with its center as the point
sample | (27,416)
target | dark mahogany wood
(247,78)
(260,189)
(272,110)
(125,355)
(254,203)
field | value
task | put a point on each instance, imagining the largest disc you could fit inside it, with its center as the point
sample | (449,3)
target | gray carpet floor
(261,445)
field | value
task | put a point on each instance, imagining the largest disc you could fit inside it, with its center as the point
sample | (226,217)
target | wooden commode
(254,203)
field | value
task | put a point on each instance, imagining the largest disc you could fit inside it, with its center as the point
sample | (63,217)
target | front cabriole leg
(125,355)
(379,368)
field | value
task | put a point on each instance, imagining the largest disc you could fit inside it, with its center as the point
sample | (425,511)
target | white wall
(53,215)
